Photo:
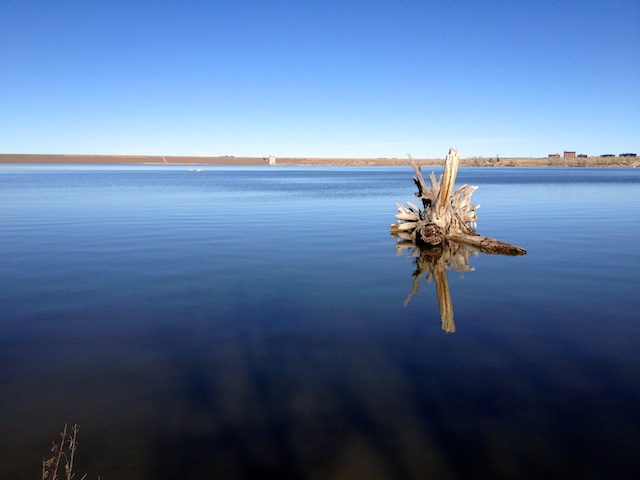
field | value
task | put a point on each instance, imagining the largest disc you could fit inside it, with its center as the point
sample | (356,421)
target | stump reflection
(434,263)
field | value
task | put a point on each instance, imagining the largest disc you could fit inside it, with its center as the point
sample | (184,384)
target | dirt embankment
(552,162)
(127,160)
(231,160)
(471,162)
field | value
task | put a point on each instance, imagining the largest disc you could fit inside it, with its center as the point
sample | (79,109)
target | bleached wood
(409,216)
(487,244)
(451,211)
(413,207)
(443,201)
(403,227)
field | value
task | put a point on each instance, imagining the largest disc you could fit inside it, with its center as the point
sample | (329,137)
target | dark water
(241,322)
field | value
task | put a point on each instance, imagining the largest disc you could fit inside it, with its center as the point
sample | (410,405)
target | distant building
(582,155)
(554,155)
(569,154)
(627,154)
(272,160)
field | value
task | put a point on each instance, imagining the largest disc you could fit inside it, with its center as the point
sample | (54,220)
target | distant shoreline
(25,159)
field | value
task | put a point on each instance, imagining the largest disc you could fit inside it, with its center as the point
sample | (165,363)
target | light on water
(239,322)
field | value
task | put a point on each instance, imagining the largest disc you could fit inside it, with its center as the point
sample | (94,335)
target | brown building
(569,154)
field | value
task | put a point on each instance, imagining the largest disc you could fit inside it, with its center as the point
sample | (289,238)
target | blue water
(240,322)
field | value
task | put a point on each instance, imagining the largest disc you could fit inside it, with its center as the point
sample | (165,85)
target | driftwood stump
(441,234)
(445,214)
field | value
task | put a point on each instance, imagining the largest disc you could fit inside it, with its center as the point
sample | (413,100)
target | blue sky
(320,78)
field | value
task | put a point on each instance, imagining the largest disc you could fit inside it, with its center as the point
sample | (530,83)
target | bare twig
(65,450)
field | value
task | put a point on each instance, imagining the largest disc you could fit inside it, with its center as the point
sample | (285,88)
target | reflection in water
(434,262)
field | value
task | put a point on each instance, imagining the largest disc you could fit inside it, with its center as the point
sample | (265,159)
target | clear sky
(320,78)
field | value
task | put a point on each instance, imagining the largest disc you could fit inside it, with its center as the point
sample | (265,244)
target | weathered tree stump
(445,214)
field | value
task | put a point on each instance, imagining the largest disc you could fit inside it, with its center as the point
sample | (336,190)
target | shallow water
(247,321)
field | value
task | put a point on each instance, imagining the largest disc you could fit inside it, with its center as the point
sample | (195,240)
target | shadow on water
(433,263)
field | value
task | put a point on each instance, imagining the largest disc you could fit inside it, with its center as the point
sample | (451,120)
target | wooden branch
(424,193)
(435,185)
(487,244)
(446,185)
(422,186)
(461,202)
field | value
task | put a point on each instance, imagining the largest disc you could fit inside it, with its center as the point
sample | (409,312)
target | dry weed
(63,457)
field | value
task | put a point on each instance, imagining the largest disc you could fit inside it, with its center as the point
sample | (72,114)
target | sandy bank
(231,160)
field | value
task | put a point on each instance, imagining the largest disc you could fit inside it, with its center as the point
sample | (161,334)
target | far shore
(609,161)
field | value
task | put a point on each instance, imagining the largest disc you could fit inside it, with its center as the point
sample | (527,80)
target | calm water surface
(240,322)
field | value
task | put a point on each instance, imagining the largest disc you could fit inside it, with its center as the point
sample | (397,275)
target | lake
(241,322)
